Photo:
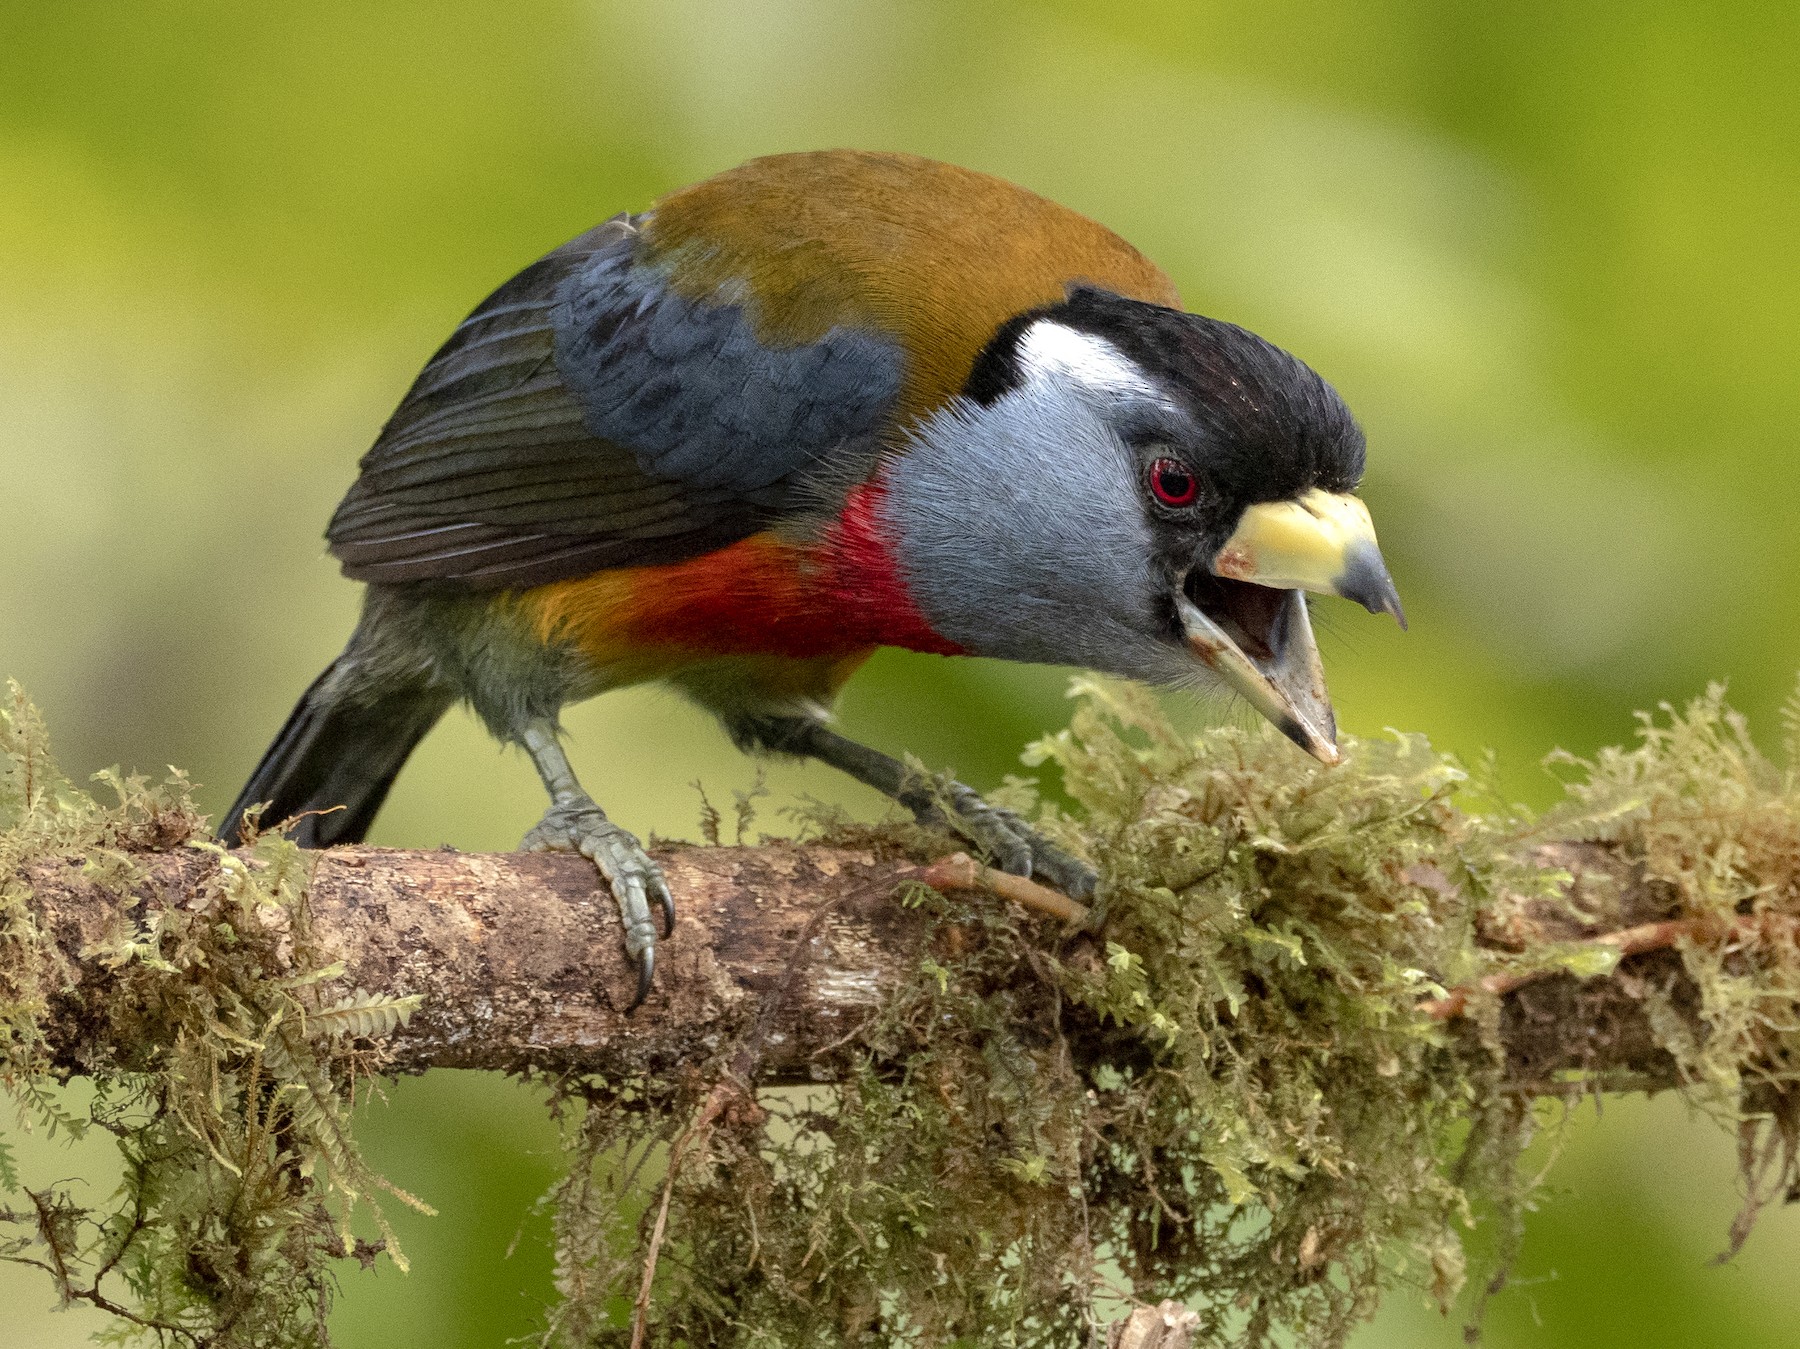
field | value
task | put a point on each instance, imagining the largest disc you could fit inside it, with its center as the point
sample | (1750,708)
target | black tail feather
(338,754)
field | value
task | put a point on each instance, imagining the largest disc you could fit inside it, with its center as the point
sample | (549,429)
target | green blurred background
(1547,251)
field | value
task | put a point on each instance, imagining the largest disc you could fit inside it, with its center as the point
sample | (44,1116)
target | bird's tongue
(1251,615)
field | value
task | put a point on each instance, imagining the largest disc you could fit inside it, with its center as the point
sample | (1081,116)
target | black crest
(1268,425)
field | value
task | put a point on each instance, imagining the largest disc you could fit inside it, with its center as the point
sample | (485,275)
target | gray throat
(1021,536)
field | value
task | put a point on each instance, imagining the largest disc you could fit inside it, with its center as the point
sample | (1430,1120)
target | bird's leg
(575,823)
(1012,844)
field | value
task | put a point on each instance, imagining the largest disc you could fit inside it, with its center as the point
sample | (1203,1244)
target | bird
(818,404)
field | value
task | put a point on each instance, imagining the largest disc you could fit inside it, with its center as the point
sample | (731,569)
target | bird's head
(1146,492)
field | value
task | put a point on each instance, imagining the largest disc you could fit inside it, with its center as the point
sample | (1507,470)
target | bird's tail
(340,751)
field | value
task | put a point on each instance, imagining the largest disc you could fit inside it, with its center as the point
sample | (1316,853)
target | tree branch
(520,961)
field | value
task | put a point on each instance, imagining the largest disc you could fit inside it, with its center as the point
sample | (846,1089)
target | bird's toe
(630,873)
(1014,846)
(1057,869)
(997,832)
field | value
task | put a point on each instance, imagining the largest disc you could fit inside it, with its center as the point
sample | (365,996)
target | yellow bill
(1246,620)
(1323,542)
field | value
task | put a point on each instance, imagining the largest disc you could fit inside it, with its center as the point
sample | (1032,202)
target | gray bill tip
(1365,580)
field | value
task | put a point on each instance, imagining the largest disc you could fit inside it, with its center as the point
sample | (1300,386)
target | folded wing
(587,416)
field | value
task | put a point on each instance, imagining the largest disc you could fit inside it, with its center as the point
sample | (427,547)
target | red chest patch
(866,577)
(761,596)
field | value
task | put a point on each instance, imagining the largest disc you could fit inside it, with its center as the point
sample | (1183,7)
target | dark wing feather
(585,416)
(689,387)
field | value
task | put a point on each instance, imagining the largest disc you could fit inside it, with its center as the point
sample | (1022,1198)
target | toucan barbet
(815,405)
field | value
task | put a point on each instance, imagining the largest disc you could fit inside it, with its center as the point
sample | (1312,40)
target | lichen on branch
(1296,1063)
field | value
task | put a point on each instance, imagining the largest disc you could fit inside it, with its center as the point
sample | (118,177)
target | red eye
(1173,482)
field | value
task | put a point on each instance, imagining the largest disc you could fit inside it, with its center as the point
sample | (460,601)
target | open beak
(1246,619)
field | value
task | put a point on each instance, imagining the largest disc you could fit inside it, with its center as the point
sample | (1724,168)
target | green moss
(1233,1098)
(240,1176)
(1232,1101)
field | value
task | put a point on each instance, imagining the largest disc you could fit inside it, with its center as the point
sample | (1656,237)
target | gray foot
(631,875)
(1013,845)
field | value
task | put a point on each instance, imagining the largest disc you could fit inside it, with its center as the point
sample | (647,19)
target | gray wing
(585,416)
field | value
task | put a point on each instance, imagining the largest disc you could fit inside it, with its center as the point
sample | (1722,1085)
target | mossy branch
(1295,1063)
(516,963)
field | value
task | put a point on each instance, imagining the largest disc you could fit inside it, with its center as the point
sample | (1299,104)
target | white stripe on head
(1054,351)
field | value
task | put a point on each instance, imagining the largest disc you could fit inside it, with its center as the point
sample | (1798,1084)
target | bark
(520,962)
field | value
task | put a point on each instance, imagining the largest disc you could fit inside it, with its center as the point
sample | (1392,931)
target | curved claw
(628,871)
(646,976)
